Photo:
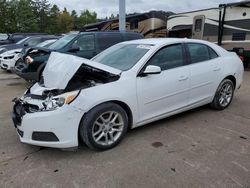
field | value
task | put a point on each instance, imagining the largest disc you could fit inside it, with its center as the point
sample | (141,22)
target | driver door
(86,45)
(159,94)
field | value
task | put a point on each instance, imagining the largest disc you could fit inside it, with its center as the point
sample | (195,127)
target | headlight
(53,103)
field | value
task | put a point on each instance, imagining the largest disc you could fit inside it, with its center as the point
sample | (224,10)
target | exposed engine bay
(87,77)
(63,79)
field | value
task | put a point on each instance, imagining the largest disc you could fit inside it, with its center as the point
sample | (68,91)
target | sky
(105,8)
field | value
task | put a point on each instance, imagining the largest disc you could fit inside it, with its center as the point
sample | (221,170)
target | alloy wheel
(108,128)
(226,94)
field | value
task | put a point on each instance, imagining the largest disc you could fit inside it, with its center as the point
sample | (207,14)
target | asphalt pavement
(199,148)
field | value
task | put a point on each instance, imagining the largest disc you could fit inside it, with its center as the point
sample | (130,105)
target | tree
(3,7)
(25,17)
(41,9)
(53,19)
(75,19)
(40,16)
(86,17)
(65,21)
(112,16)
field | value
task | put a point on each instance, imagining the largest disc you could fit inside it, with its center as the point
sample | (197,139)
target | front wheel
(224,95)
(104,126)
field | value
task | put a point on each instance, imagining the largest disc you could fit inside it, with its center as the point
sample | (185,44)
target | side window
(129,36)
(238,36)
(85,42)
(212,53)
(198,24)
(198,52)
(105,40)
(168,57)
(34,41)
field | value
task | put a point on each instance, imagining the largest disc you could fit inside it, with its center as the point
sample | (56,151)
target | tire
(224,95)
(95,132)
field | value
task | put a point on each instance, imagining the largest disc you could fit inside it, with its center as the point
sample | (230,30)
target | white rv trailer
(228,26)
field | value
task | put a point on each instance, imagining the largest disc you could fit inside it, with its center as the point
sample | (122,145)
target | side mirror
(25,44)
(151,69)
(74,48)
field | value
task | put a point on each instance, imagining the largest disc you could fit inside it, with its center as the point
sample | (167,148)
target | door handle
(217,69)
(183,78)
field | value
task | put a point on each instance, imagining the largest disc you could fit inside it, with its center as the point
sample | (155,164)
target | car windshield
(23,40)
(3,36)
(62,42)
(122,56)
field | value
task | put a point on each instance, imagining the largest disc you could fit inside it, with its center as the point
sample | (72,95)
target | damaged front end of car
(64,77)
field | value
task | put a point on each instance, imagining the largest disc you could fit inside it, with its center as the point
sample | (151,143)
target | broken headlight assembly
(53,103)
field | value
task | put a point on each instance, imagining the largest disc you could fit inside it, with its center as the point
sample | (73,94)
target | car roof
(162,41)
(165,41)
(110,32)
(158,42)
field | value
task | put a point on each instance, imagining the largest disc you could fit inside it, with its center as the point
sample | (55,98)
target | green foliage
(65,21)
(86,17)
(53,20)
(40,16)
(26,20)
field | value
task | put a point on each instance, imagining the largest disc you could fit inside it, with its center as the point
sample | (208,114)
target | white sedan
(126,86)
(9,58)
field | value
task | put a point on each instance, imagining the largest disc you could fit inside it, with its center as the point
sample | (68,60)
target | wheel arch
(127,110)
(121,104)
(233,79)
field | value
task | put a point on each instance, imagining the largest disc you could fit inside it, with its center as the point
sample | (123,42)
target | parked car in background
(16,37)
(85,44)
(128,85)
(44,44)
(27,42)
(8,59)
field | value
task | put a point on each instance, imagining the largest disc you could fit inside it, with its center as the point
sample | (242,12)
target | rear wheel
(224,95)
(104,126)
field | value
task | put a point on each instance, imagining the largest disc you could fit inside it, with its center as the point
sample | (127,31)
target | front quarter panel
(123,90)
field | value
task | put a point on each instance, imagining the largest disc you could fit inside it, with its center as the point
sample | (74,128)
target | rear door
(198,27)
(204,72)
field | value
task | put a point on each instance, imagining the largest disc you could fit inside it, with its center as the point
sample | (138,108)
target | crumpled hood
(60,68)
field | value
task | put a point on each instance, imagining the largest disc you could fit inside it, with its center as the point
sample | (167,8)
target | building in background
(228,26)
(150,24)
